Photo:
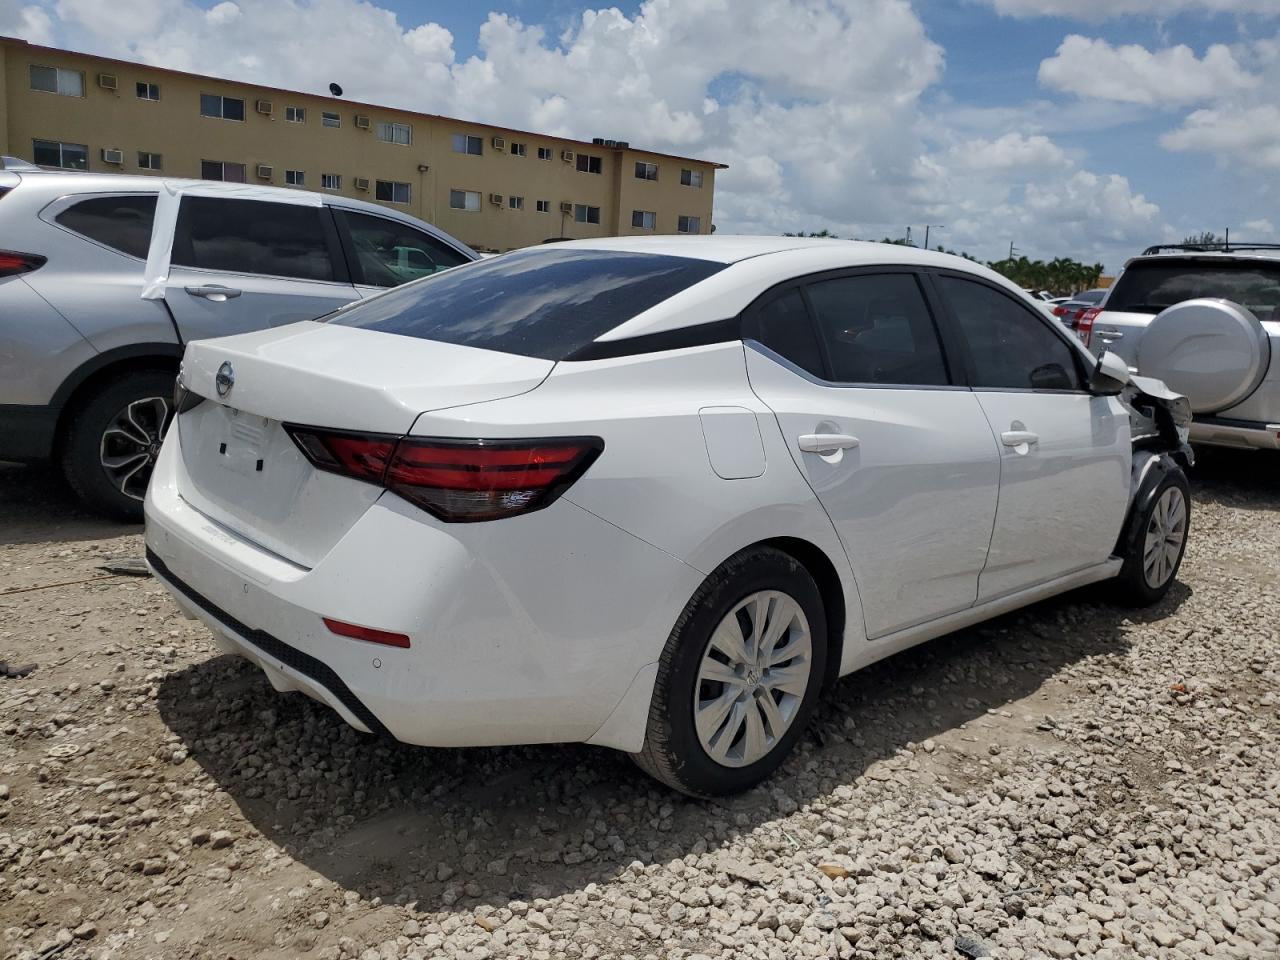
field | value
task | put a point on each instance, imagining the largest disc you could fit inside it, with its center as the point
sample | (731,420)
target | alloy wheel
(131,443)
(752,678)
(1166,531)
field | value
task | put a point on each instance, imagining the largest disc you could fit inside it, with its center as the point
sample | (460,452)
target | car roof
(1265,255)
(736,248)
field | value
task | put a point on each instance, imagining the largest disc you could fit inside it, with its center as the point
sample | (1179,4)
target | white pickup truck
(1206,321)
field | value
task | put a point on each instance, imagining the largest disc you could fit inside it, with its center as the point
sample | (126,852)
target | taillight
(370,634)
(14,263)
(1060,311)
(456,480)
(1084,325)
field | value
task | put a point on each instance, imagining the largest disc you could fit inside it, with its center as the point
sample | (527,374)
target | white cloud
(27,22)
(1094,10)
(1133,74)
(1246,134)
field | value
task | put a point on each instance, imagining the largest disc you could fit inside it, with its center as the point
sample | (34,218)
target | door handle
(826,442)
(1016,438)
(1110,336)
(213,291)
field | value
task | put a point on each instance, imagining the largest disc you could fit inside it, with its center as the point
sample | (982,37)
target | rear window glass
(538,303)
(1151,286)
(121,223)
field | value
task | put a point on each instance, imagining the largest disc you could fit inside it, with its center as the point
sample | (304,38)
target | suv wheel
(112,441)
(739,676)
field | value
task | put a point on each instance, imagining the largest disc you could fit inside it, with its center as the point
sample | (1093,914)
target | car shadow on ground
(37,506)
(458,828)
(1236,478)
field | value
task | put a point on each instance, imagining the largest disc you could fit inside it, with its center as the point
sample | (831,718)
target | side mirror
(1110,376)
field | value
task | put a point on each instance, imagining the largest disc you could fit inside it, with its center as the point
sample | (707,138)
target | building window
(515,203)
(464,200)
(295,178)
(465,144)
(646,171)
(69,83)
(295,114)
(391,191)
(589,164)
(691,178)
(688,224)
(331,181)
(219,170)
(519,149)
(148,91)
(395,133)
(644,219)
(544,153)
(53,153)
(330,120)
(222,108)
(585,214)
(544,206)
(150,161)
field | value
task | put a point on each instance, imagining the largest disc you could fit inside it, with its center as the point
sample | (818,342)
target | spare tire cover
(1215,352)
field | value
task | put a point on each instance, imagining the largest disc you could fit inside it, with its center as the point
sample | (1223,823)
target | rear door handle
(1110,336)
(213,291)
(1016,438)
(826,442)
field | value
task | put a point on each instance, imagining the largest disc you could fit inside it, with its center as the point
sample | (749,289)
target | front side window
(391,191)
(464,200)
(542,302)
(295,114)
(395,133)
(222,108)
(54,153)
(121,223)
(295,178)
(587,163)
(544,153)
(150,161)
(691,178)
(646,171)
(644,219)
(252,236)
(331,181)
(148,91)
(390,253)
(1010,346)
(222,170)
(465,144)
(688,224)
(518,149)
(585,214)
(330,119)
(69,83)
(783,325)
(877,329)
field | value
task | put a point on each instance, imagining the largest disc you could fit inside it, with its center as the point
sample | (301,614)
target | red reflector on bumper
(384,637)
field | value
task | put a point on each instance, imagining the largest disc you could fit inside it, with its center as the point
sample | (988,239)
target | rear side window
(1151,286)
(783,325)
(252,236)
(121,223)
(1010,346)
(878,329)
(388,253)
(545,303)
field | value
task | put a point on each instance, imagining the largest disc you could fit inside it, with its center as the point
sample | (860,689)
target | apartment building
(493,187)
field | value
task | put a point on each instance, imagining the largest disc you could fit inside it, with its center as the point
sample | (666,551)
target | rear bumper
(1246,434)
(522,631)
(27,431)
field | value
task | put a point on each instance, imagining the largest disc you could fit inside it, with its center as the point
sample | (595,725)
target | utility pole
(927,227)
(1012,248)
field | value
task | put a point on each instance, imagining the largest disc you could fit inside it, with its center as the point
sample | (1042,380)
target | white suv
(652,493)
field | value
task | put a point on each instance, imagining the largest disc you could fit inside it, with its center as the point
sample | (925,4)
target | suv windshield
(546,303)
(1151,286)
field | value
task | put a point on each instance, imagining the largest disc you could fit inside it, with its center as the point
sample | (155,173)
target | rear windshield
(1151,286)
(546,303)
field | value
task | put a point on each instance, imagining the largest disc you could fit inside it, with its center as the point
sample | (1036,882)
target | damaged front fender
(1159,419)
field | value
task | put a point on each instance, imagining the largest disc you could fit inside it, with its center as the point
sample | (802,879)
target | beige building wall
(173,127)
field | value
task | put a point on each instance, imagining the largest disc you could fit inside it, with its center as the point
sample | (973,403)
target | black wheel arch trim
(1159,466)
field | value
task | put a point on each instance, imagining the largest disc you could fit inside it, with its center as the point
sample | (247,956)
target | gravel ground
(1070,781)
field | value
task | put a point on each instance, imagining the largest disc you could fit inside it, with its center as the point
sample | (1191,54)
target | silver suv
(104,278)
(1206,321)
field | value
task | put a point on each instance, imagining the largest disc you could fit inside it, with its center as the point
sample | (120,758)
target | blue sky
(1086,128)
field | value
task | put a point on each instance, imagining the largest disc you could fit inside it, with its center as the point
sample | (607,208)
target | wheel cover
(752,678)
(131,442)
(1166,532)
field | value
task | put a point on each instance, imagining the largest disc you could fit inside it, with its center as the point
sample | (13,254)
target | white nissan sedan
(653,494)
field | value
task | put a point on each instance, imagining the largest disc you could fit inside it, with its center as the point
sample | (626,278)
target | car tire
(689,746)
(1155,538)
(112,439)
